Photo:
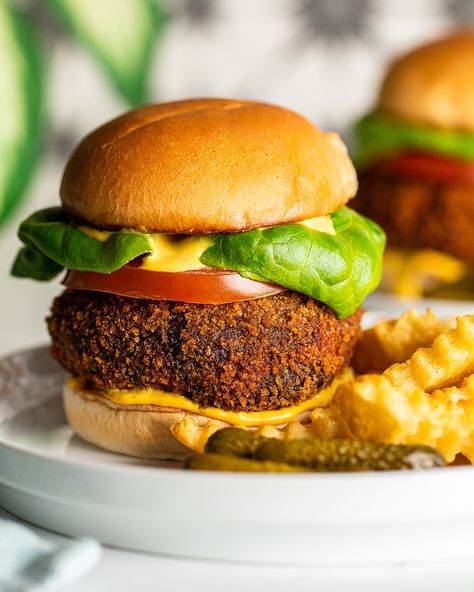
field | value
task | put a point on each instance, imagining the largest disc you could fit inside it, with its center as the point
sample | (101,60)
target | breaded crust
(254,355)
(418,213)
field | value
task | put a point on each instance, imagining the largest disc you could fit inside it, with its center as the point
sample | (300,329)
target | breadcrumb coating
(255,355)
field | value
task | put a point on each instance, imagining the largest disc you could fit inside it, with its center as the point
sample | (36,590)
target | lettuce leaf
(52,243)
(379,136)
(339,270)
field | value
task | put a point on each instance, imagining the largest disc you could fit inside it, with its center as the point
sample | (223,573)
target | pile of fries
(413,384)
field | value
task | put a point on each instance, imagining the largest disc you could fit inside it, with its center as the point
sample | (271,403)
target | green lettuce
(339,270)
(52,243)
(379,135)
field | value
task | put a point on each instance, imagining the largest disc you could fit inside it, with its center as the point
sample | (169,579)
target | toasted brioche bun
(141,430)
(206,165)
(434,84)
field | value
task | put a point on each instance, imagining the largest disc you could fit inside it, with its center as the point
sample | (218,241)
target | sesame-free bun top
(206,165)
(434,84)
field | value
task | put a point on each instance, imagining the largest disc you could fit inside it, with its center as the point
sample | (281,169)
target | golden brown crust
(256,355)
(142,431)
(434,84)
(206,165)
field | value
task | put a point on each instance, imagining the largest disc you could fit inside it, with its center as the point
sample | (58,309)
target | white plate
(51,478)
(395,305)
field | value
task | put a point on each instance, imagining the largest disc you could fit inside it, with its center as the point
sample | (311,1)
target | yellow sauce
(238,418)
(178,252)
(323,224)
(100,235)
(171,252)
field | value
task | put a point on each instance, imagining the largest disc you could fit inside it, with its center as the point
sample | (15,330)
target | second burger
(416,168)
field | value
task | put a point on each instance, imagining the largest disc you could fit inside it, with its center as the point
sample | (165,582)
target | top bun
(206,165)
(434,84)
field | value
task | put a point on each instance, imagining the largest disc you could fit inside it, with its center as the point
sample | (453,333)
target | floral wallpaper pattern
(70,64)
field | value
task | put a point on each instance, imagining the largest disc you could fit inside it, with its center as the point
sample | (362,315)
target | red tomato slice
(431,167)
(203,286)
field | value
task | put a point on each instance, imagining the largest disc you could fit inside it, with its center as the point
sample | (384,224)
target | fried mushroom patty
(255,355)
(419,213)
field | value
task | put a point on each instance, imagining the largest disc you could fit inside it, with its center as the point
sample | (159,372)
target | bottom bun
(142,431)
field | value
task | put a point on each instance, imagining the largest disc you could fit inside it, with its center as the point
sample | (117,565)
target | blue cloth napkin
(31,564)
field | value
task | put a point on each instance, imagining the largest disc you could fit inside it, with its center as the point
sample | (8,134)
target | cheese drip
(159,398)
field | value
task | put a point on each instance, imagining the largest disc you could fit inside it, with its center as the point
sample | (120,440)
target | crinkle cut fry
(446,363)
(429,399)
(194,435)
(375,409)
(395,340)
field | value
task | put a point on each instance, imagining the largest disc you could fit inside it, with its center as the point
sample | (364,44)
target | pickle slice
(221,462)
(234,442)
(348,455)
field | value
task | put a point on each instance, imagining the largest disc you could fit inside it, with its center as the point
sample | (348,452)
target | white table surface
(122,571)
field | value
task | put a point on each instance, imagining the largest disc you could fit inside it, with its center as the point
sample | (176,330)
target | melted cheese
(100,235)
(238,418)
(178,252)
(323,224)
(171,252)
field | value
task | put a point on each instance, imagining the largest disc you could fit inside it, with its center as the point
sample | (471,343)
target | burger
(415,158)
(213,271)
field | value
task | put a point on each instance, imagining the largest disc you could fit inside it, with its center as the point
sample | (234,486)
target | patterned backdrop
(90,60)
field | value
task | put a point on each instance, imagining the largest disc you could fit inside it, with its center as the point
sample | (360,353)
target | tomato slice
(431,167)
(203,286)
